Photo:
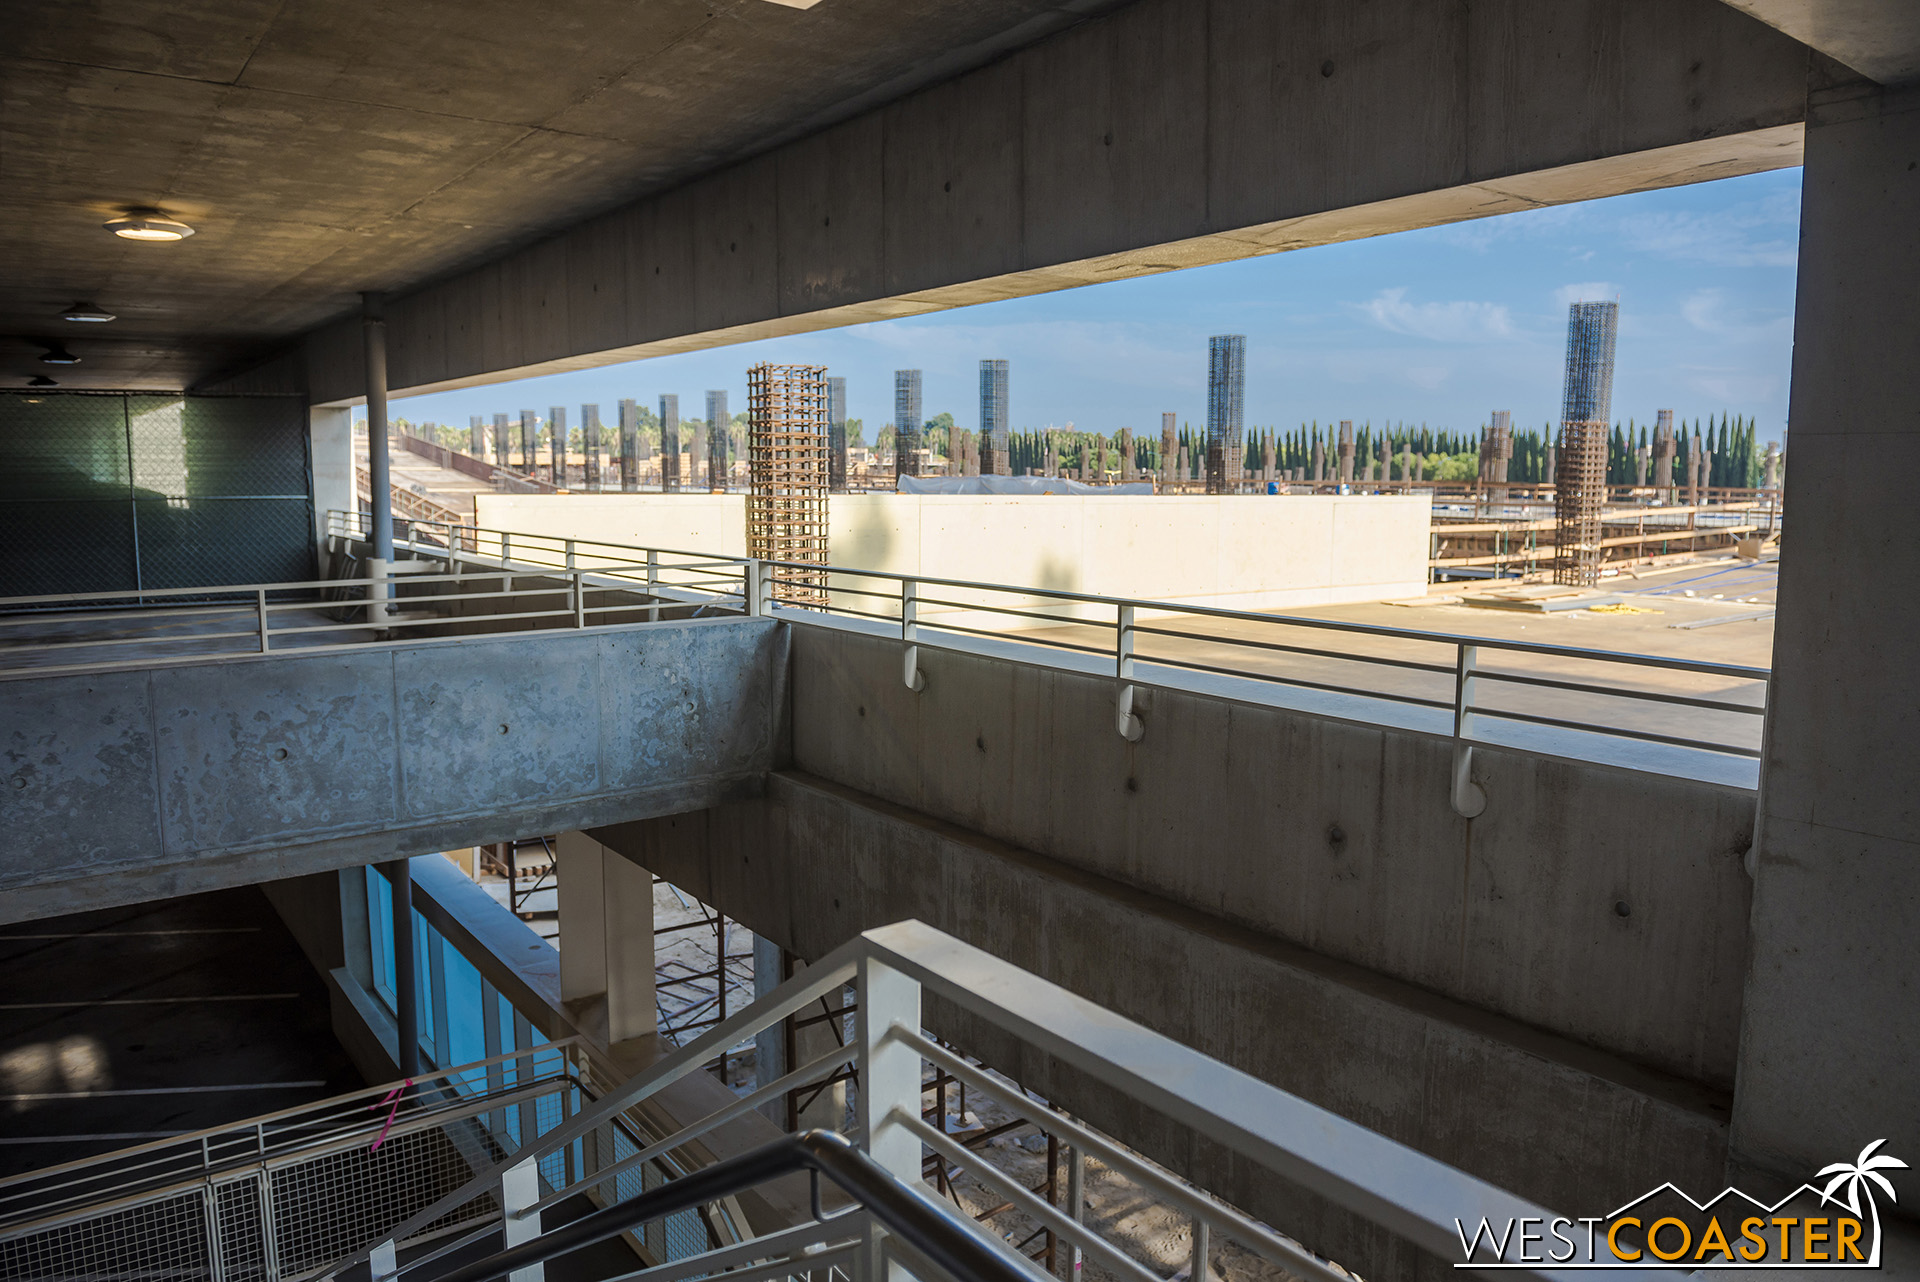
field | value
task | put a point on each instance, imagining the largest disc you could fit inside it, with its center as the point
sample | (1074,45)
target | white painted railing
(892,971)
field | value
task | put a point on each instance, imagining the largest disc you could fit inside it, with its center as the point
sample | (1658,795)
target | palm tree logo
(1861,1176)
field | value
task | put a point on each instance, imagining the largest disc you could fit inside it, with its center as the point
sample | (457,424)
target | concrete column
(606,936)
(374,330)
(330,444)
(1830,1048)
(578,861)
(557,443)
(406,996)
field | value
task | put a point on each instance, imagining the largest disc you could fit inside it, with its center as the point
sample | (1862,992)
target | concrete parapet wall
(183,779)
(1580,1131)
(1334,836)
(1246,552)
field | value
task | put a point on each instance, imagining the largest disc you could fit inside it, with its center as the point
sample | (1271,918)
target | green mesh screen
(111,492)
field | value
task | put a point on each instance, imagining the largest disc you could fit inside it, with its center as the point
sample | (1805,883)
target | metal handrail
(1251,616)
(931,1228)
(1412,1196)
(137,1172)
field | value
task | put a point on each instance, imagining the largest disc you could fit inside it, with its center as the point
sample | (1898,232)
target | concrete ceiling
(1880,39)
(324,147)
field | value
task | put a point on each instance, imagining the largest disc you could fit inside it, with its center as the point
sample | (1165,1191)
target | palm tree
(1854,1176)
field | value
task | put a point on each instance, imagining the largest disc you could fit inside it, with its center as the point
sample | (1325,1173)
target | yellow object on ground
(1617,608)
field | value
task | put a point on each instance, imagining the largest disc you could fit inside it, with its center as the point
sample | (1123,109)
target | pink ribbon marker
(393,1098)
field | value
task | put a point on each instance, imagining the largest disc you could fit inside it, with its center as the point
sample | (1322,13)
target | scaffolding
(906,422)
(1226,408)
(629,445)
(719,423)
(837,434)
(994,439)
(788,412)
(669,443)
(1580,471)
(590,439)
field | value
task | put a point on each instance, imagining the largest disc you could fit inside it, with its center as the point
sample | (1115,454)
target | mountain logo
(1835,1226)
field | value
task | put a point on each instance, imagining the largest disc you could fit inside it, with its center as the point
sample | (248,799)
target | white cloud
(1459,322)
(1428,377)
(1586,291)
(1757,233)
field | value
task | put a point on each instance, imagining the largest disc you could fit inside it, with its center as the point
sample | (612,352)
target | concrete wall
(1333,836)
(1250,552)
(1831,1054)
(1167,134)
(1578,1130)
(135,785)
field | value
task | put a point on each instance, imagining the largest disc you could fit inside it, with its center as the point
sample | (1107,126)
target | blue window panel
(466,1022)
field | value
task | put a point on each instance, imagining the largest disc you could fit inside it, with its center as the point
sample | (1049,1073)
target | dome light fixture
(87,313)
(57,354)
(41,380)
(147,224)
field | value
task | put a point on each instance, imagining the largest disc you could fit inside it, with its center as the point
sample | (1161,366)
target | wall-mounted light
(87,313)
(56,354)
(147,224)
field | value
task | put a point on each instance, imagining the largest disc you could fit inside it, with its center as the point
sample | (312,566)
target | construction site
(685,836)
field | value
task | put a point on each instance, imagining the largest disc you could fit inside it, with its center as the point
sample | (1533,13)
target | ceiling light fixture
(41,380)
(57,354)
(87,313)
(147,224)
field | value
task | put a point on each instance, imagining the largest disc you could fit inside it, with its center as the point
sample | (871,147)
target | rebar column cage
(788,412)
(1580,470)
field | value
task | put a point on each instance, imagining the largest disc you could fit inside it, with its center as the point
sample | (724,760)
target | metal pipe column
(406,998)
(374,327)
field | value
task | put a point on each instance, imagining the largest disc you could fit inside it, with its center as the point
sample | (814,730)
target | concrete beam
(1880,39)
(1165,135)
(140,784)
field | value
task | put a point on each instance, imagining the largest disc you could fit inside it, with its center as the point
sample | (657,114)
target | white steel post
(1126,721)
(653,584)
(910,635)
(889,1084)
(1469,798)
(579,600)
(260,612)
(520,1190)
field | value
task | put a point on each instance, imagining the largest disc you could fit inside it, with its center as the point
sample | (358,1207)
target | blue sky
(1440,325)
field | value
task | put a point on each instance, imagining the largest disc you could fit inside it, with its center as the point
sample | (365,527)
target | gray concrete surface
(126,1025)
(1566,1125)
(1830,1056)
(141,784)
(1157,137)
(1336,837)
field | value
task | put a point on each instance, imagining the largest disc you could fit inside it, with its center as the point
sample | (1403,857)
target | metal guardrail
(523,579)
(1455,685)
(277,1198)
(1408,1194)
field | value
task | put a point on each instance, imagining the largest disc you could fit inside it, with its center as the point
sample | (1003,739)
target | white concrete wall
(1255,552)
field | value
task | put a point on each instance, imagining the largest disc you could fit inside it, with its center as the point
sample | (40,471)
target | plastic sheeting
(1013,485)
